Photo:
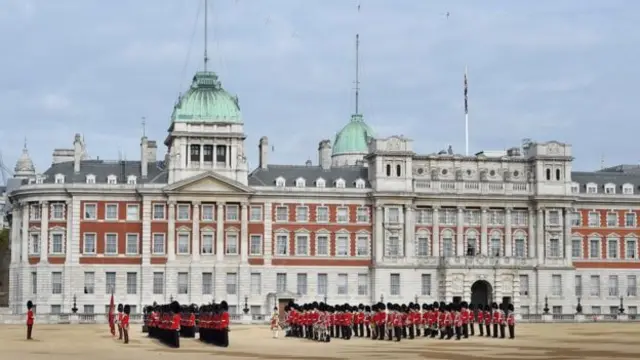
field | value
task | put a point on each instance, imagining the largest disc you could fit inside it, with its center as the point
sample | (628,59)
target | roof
(268,176)
(601,178)
(207,101)
(353,138)
(156,174)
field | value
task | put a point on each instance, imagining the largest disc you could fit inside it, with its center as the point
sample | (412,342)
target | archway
(481,293)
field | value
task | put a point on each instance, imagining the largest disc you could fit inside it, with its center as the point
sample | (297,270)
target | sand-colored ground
(534,341)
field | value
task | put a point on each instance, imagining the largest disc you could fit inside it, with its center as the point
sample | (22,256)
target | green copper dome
(207,101)
(353,137)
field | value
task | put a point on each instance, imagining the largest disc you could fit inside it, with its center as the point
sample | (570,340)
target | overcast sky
(544,69)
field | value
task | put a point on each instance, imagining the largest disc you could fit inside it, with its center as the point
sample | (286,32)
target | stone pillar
(220,232)
(195,228)
(14,241)
(409,232)
(540,235)
(24,238)
(436,231)
(44,232)
(201,156)
(567,236)
(460,232)
(531,236)
(378,237)
(268,235)
(508,242)
(171,232)
(244,232)
(484,245)
(70,239)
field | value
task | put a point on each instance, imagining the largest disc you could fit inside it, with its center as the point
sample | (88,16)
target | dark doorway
(481,293)
(506,300)
(281,305)
(457,299)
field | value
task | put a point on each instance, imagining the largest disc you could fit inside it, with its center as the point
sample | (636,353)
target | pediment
(209,182)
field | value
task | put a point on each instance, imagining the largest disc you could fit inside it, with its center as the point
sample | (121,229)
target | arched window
(388,170)
(557,174)
(398,170)
(548,174)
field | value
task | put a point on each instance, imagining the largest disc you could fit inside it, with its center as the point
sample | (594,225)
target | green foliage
(4,240)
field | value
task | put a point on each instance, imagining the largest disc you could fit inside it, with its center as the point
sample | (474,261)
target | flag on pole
(466,93)
(112,322)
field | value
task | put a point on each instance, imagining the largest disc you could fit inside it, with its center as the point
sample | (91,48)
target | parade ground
(534,341)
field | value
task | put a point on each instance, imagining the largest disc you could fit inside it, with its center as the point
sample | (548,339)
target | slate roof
(156,174)
(618,175)
(268,176)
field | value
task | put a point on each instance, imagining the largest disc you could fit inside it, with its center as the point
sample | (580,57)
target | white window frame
(612,215)
(326,210)
(57,283)
(207,283)
(362,215)
(35,245)
(132,282)
(360,237)
(54,210)
(517,237)
(634,241)
(610,189)
(360,184)
(211,209)
(592,188)
(106,244)
(423,236)
(156,207)
(229,211)
(179,236)
(107,206)
(85,242)
(326,236)
(301,182)
(235,235)
(255,287)
(554,250)
(128,239)
(137,213)
(206,233)
(599,240)
(615,247)
(342,284)
(183,283)
(321,183)
(155,237)
(255,213)
(86,208)
(281,182)
(341,236)
(556,289)
(425,284)
(112,180)
(252,238)
(575,188)
(302,213)
(302,283)
(180,211)
(89,282)
(363,284)
(340,183)
(595,291)
(627,189)
(613,291)
(281,235)
(579,239)
(158,283)
(635,219)
(596,222)
(59,179)
(90,179)
(131,180)
(306,238)
(342,218)
(278,214)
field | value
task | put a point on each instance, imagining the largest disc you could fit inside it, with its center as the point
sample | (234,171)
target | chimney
(152,151)
(264,151)
(324,154)
(77,153)
(144,160)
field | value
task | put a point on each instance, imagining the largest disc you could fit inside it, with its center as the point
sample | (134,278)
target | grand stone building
(370,220)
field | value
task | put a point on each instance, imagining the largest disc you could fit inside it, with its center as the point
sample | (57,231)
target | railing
(557,318)
(104,318)
(472,187)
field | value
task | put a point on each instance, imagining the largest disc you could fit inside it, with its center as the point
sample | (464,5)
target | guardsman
(442,320)
(275,319)
(487,320)
(125,323)
(495,319)
(424,320)
(464,317)
(173,332)
(366,321)
(359,321)
(224,324)
(503,319)
(481,320)
(449,319)
(457,320)
(30,319)
(119,320)
(436,319)
(472,319)
(511,322)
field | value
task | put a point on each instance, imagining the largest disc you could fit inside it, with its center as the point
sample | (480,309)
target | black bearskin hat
(443,305)
(29,305)
(472,306)
(494,305)
(425,306)
(224,306)
(381,306)
(174,307)
(367,308)
(361,306)
(148,309)
(120,307)
(127,309)
(436,305)
(464,305)
(487,308)
(510,307)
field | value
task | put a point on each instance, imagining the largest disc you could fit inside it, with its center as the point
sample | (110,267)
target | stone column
(436,231)
(460,232)
(409,232)
(220,232)
(484,245)
(508,246)
(14,242)
(44,232)
(171,230)
(531,236)
(24,238)
(70,239)
(540,235)
(567,236)
(244,232)
(201,156)
(378,237)
(195,228)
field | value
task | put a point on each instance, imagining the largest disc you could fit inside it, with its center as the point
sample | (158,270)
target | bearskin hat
(367,308)
(472,306)
(120,307)
(127,309)
(510,307)
(174,307)
(487,307)
(381,306)
(464,305)
(361,306)
(494,305)
(29,305)
(224,306)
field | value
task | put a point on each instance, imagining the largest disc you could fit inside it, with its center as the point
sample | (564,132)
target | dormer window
(592,188)
(627,189)
(575,188)
(91,179)
(59,179)
(340,183)
(300,182)
(112,179)
(39,180)
(132,180)
(320,183)
(280,182)
(610,188)
(359,184)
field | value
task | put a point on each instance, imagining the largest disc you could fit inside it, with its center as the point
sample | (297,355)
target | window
(394,284)
(578,285)
(34,212)
(183,283)
(472,243)
(207,153)
(231,246)
(362,215)
(255,213)
(302,213)
(520,245)
(554,217)
(300,182)
(88,309)
(111,244)
(594,248)
(90,212)
(342,215)
(630,219)
(34,248)
(57,211)
(609,189)
(322,245)
(343,284)
(613,285)
(496,243)
(89,243)
(612,248)
(496,217)
(632,285)
(207,283)
(301,284)
(194,153)
(592,188)
(393,215)
(340,184)
(320,183)
(322,214)
(281,282)
(472,217)
(556,285)
(596,310)
(57,241)
(594,285)
(612,219)
(447,243)
(231,213)
(282,214)
(110,282)
(633,310)
(302,245)
(56,309)
(631,248)
(554,248)
(207,213)
(424,216)
(425,284)
(362,245)
(576,247)
(256,283)
(322,284)
(627,189)
(342,245)
(111,212)
(132,283)
(363,284)
(89,282)
(133,212)
(360,184)
(34,282)
(388,170)
(132,244)
(158,244)
(158,283)
(524,285)
(576,219)
(613,310)
(556,310)
(422,243)
(183,243)
(280,182)
(594,219)
(255,244)
(207,243)
(184,212)
(398,170)
(59,179)
(158,212)
(575,188)
(131,180)
(282,244)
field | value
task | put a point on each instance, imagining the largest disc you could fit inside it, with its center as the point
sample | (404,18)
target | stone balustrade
(471,187)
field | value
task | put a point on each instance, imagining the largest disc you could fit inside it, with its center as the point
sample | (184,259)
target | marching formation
(163,323)
(321,322)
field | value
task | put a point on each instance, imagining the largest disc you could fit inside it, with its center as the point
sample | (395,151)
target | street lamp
(381,298)
(325,298)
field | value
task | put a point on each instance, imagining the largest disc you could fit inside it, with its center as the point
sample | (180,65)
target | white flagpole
(466,114)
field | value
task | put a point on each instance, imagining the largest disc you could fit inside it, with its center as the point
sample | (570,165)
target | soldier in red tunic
(125,323)
(487,320)
(30,318)
(119,320)
(495,319)
(472,319)
(481,320)
(359,321)
(503,319)
(511,322)
(366,321)
(173,331)
(224,324)
(464,317)
(457,320)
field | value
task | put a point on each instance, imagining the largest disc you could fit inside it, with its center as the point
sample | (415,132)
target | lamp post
(382,298)
(546,305)
(416,299)
(246,305)
(74,309)
(621,308)
(579,307)
(325,298)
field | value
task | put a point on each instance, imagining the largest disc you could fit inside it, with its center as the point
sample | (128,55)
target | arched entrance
(481,293)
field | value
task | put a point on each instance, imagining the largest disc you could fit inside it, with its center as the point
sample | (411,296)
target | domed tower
(24,166)
(351,143)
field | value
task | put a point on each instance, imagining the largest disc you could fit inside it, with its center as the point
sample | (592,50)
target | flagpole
(466,114)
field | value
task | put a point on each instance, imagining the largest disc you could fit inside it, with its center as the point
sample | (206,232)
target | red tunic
(480,317)
(464,316)
(125,321)
(457,319)
(487,317)
(496,317)
(448,319)
(442,317)
(224,321)
(30,317)
(175,322)
(511,319)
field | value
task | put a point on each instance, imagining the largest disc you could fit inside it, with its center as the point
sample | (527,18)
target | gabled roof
(268,176)
(156,174)
(208,182)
